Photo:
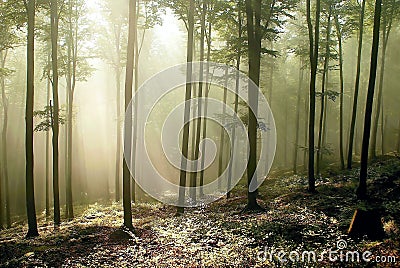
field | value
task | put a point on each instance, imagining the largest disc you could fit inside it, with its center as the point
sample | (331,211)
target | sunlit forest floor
(219,235)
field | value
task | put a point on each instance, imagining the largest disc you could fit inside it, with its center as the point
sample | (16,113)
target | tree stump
(366,222)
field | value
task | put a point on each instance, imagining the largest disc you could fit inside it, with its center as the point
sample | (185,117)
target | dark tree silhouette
(362,187)
(30,191)
(55,113)
(253,12)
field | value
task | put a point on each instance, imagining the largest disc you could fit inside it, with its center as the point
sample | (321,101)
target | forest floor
(294,225)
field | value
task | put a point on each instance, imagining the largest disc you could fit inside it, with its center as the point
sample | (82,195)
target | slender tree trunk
(236,103)
(362,187)
(192,135)
(117,71)
(72,45)
(55,111)
(4,150)
(188,93)
(2,81)
(339,37)
(135,123)
(70,210)
(30,191)
(356,88)
(47,199)
(306,112)
(322,114)
(222,132)
(207,91)
(118,151)
(296,140)
(314,46)
(200,94)
(385,37)
(126,183)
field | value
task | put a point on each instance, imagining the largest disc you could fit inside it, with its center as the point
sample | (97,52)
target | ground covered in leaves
(294,225)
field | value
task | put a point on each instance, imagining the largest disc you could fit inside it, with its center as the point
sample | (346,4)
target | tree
(237,86)
(193,176)
(208,36)
(356,87)
(30,191)
(112,37)
(3,157)
(188,93)
(314,45)
(126,184)
(362,187)
(340,40)
(296,143)
(55,112)
(324,83)
(389,10)
(253,12)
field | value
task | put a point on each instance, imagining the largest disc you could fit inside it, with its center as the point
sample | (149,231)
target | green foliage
(330,94)
(46,119)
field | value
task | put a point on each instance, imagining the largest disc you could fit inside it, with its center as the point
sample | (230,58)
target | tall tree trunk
(200,94)
(117,71)
(30,191)
(362,187)
(322,115)
(387,25)
(236,103)
(192,137)
(72,47)
(2,84)
(47,187)
(126,183)
(222,132)
(314,46)
(296,140)
(4,150)
(356,88)
(55,111)
(188,93)
(339,37)
(253,12)
(137,101)
(207,91)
